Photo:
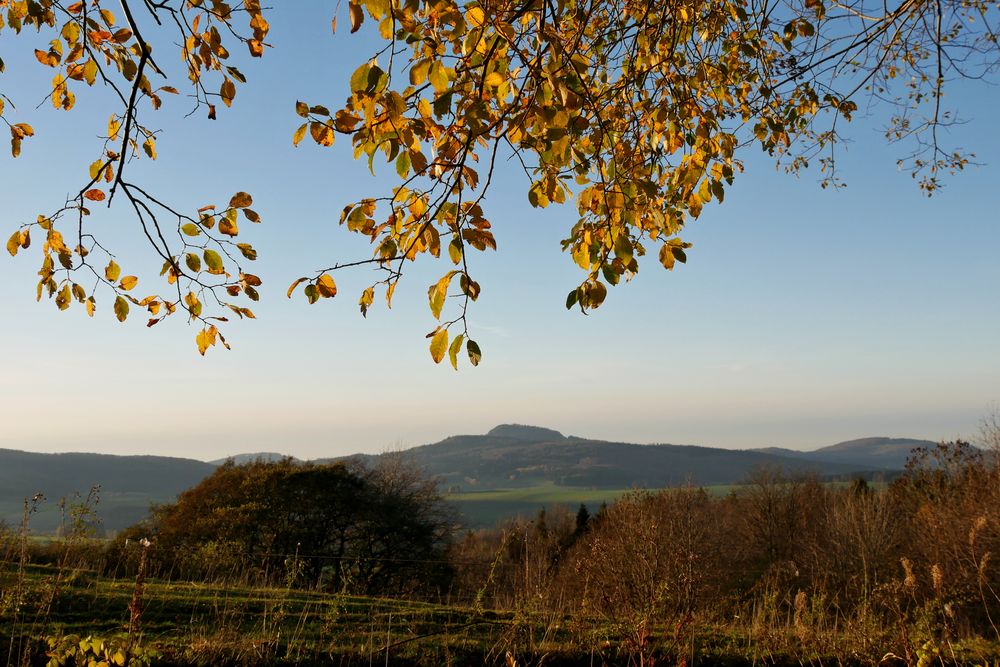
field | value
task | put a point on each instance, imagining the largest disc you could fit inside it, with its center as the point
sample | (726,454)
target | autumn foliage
(637,113)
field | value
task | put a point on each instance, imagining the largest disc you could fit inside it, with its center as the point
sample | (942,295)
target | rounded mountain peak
(528,433)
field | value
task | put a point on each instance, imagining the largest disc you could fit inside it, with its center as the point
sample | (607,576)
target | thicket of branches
(786,565)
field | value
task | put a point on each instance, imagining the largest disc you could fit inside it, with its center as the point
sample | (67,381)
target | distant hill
(128,484)
(875,453)
(512,456)
(508,457)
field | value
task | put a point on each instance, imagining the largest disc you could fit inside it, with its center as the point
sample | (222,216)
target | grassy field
(188,624)
(490,506)
(213,624)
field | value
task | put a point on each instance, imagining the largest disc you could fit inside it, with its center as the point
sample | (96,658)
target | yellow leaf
(205,339)
(128,282)
(63,299)
(321,133)
(112,271)
(46,58)
(439,345)
(291,288)
(494,79)
(300,134)
(667,258)
(366,299)
(96,168)
(438,77)
(228,226)
(91,305)
(437,293)
(475,17)
(70,32)
(327,288)
(150,147)
(90,71)
(13,243)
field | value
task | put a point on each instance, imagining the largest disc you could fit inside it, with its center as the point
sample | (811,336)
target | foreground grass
(210,624)
(216,624)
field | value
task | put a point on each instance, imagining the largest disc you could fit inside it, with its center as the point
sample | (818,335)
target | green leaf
(454,349)
(359,80)
(214,262)
(623,248)
(455,250)
(121,309)
(403,164)
(475,354)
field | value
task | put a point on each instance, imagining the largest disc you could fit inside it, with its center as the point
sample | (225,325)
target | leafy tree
(639,111)
(304,524)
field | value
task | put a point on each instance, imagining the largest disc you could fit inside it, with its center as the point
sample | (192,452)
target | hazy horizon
(306,452)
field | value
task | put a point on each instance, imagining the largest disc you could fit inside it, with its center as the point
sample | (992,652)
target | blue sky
(803,317)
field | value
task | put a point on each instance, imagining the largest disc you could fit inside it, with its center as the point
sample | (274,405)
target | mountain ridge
(507,456)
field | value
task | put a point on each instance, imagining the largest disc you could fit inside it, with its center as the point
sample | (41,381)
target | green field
(491,506)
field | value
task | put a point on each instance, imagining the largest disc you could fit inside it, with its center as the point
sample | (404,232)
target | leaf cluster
(639,113)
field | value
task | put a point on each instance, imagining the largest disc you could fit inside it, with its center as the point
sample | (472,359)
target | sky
(803,317)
